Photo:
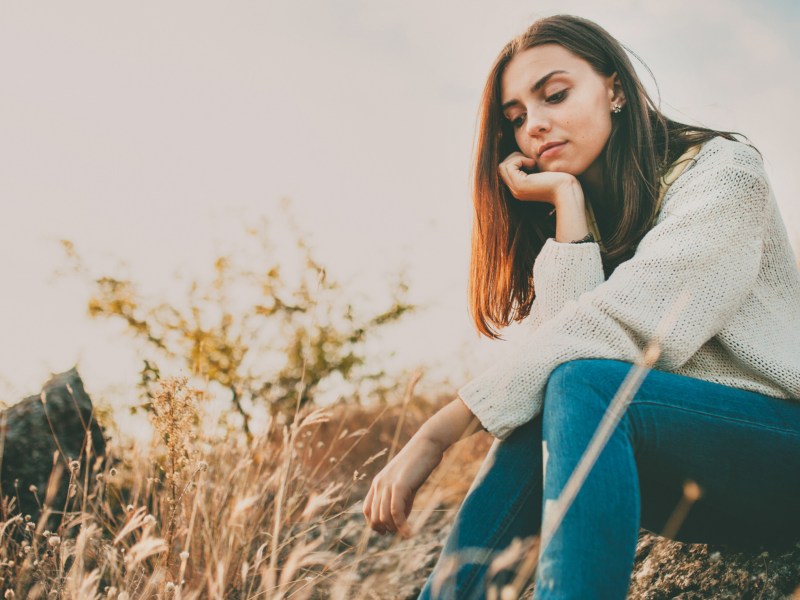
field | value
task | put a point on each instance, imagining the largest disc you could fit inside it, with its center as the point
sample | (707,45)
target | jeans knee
(576,374)
(571,369)
(583,371)
(581,385)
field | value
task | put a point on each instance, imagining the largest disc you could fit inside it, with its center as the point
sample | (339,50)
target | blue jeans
(742,448)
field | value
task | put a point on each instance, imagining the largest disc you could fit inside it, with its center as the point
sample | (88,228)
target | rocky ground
(670,570)
(664,569)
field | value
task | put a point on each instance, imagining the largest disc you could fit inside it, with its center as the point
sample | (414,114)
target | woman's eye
(518,121)
(557,97)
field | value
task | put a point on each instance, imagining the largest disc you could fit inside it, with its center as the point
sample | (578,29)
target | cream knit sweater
(718,236)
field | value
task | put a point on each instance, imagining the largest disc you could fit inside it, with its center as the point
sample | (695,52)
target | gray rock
(41,435)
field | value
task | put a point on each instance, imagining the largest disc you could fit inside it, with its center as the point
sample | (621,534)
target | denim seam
(717,416)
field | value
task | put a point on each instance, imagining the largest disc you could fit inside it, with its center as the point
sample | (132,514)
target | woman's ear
(616,95)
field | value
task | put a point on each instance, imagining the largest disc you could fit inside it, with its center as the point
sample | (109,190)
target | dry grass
(190,517)
(193,517)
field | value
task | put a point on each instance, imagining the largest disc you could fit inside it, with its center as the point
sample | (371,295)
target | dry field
(280,517)
(191,517)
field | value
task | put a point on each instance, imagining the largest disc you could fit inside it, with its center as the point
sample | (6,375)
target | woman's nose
(536,124)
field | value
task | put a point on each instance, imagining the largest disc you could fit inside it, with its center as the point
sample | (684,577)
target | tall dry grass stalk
(175,418)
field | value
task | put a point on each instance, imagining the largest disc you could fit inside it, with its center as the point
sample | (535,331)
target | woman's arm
(390,497)
(562,270)
(708,242)
(450,424)
(570,213)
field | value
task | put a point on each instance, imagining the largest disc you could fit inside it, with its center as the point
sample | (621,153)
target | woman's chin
(559,166)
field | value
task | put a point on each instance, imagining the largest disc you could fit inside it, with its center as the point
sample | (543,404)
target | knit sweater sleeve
(563,271)
(707,241)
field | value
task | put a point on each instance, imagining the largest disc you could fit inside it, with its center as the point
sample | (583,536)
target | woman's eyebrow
(536,87)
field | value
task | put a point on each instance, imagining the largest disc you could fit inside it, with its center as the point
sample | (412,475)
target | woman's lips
(552,150)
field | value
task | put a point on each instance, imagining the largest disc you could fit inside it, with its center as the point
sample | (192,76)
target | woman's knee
(582,385)
(588,369)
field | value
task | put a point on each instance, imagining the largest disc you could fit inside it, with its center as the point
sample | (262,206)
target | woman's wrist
(568,194)
(450,424)
(570,209)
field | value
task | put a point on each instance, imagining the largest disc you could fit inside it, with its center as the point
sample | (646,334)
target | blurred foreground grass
(280,517)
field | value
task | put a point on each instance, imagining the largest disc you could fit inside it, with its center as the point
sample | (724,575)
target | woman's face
(555,99)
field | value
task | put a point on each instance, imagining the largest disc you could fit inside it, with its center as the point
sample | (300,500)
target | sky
(151,133)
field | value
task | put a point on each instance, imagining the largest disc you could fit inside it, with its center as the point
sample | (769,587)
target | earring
(616,109)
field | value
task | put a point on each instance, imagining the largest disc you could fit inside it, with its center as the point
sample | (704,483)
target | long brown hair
(508,234)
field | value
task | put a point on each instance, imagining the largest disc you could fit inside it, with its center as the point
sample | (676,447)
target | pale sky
(149,133)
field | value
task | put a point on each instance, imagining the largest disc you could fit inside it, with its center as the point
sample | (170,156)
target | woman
(604,221)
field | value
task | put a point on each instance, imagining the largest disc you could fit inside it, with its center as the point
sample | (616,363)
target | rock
(41,435)
(667,569)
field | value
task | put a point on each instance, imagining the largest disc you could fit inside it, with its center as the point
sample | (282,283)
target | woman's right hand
(539,186)
(391,495)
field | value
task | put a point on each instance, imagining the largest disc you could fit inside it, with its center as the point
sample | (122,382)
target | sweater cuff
(477,395)
(562,271)
(479,403)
